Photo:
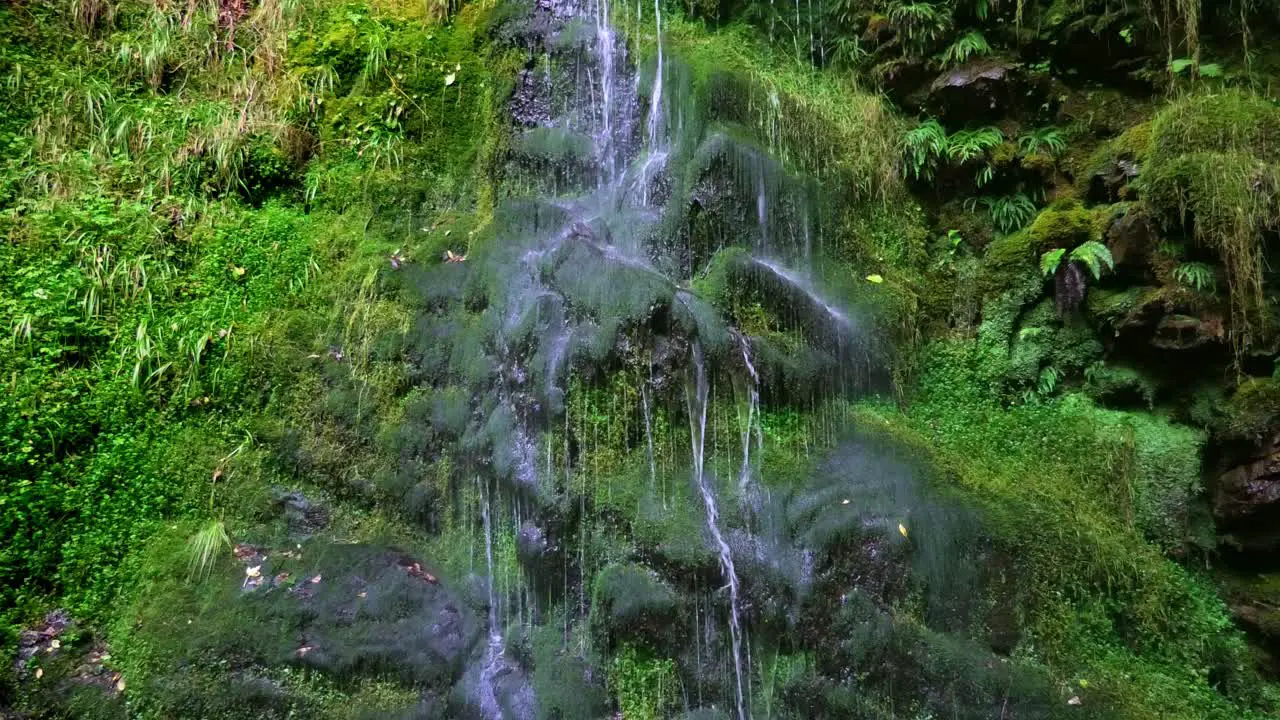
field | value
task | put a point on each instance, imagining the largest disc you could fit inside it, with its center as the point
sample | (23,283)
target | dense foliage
(228,231)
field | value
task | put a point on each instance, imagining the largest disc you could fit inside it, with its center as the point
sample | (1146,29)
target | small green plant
(1048,380)
(204,547)
(1092,254)
(1196,275)
(923,147)
(645,685)
(970,45)
(967,145)
(1193,68)
(1048,138)
(921,23)
(1008,213)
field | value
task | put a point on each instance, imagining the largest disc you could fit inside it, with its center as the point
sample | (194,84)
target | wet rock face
(305,517)
(1246,500)
(1187,332)
(1130,239)
(977,90)
(1111,183)
(368,611)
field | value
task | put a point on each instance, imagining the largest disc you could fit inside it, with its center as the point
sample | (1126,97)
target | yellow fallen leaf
(877,279)
(55,643)
(902,529)
(254,571)
(39,673)
(120,685)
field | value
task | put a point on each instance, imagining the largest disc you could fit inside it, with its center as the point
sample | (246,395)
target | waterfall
(696,398)
(752,419)
(648,434)
(604,52)
(494,657)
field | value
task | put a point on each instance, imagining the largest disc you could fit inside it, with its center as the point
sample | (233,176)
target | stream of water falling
(696,397)
(494,654)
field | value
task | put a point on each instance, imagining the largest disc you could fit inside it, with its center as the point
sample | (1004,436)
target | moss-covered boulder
(243,641)
(632,603)
(1214,171)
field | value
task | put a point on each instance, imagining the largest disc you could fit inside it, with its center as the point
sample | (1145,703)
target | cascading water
(696,398)
(597,262)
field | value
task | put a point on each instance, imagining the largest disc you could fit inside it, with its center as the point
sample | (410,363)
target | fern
(1048,381)
(920,22)
(923,146)
(1008,213)
(1196,275)
(969,144)
(1049,138)
(985,176)
(1050,261)
(971,44)
(1093,255)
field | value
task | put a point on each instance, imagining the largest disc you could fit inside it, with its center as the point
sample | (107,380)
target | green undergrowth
(1213,166)
(1071,491)
(196,243)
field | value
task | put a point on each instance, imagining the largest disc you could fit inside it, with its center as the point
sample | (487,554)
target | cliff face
(559,360)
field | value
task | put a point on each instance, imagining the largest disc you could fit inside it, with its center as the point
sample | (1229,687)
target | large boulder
(978,90)
(1246,500)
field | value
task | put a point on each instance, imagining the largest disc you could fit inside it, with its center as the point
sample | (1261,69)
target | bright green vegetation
(193,265)
(231,242)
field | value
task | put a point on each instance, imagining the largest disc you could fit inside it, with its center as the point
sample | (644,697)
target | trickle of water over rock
(597,261)
(696,394)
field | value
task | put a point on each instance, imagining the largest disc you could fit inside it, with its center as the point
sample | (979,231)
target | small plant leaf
(1050,261)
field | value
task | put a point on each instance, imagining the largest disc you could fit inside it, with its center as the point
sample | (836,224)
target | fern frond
(966,145)
(1050,261)
(1094,255)
(1196,275)
(923,146)
(1010,212)
(972,44)
(1049,138)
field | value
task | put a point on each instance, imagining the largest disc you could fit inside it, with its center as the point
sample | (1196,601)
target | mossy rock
(1120,385)
(1254,410)
(1220,122)
(1214,172)
(1007,261)
(224,646)
(632,602)
(1109,170)
(1065,224)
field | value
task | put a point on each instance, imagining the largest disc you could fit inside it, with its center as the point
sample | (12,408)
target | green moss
(1003,155)
(1008,262)
(1115,306)
(1041,164)
(1254,409)
(1133,145)
(1065,224)
(1065,484)
(1214,167)
(1120,385)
